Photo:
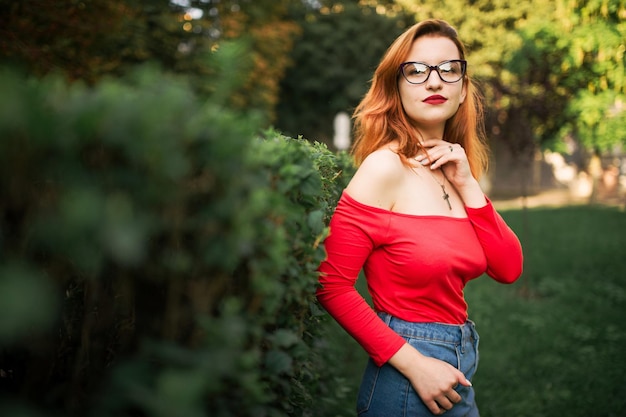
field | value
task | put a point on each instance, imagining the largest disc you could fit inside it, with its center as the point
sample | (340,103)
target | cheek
(405,97)
(463,94)
(402,92)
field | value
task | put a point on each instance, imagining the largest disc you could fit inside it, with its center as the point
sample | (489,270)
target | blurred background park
(168,169)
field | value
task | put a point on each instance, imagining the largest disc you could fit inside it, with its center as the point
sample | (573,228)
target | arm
(355,230)
(351,239)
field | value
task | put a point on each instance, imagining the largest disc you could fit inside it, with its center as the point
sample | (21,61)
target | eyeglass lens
(418,72)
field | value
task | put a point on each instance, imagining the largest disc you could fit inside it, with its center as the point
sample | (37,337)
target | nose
(433,82)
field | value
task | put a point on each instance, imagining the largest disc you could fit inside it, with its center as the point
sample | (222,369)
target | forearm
(353,313)
(405,359)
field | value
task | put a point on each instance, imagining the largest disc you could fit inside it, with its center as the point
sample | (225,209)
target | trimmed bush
(158,254)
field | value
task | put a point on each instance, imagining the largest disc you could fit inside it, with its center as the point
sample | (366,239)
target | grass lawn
(554,343)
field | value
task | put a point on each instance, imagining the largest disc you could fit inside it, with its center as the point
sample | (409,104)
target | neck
(430,132)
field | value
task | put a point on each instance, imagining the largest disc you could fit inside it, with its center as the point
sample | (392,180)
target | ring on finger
(451,148)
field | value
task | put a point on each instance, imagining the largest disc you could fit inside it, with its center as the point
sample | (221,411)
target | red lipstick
(435,99)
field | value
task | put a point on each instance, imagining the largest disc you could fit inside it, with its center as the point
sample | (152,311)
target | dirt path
(551,198)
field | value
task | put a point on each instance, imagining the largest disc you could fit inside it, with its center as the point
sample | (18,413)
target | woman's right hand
(434,380)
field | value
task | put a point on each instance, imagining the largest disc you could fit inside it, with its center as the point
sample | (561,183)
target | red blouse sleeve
(354,232)
(501,246)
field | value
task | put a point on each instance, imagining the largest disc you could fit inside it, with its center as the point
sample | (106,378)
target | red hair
(380,117)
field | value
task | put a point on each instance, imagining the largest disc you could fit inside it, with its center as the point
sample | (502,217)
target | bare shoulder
(378,179)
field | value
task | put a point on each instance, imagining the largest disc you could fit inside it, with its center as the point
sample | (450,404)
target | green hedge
(158,254)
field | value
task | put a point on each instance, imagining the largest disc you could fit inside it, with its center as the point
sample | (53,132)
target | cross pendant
(446,197)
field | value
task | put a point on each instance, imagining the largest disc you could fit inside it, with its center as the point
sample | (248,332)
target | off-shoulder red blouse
(416,267)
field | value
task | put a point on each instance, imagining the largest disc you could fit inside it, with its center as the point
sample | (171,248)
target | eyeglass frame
(436,68)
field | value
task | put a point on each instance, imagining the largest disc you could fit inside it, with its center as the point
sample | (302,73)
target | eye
(448,67)
(417,69)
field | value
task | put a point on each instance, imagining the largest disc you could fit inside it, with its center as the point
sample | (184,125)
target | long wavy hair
(380,117)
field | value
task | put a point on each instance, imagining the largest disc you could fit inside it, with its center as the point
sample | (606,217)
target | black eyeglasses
(448,71)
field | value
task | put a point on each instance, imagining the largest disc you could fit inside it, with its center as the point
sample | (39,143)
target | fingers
(447,400)
(444,402)
(435,381)
(435,142)
(440,154)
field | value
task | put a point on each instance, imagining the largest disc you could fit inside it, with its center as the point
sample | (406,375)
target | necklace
(445,195)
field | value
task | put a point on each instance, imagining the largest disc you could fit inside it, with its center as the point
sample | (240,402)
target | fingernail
(468,381)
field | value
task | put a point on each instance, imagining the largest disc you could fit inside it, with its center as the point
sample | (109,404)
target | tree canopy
(332,63)
(549,70)
(543,65)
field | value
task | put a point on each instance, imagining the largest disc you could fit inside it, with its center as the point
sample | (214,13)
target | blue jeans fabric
(385,392)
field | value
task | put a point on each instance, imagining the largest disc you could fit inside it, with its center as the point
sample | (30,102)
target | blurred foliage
(333,62)
(542,65)
(88,39)
(536,59)
(597,58)
(267,27)
(158,254)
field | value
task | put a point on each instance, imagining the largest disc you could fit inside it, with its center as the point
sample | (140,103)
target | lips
(436,99)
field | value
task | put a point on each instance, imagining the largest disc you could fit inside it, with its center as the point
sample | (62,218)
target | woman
(416,220)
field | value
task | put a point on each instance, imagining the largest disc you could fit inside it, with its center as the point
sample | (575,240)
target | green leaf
(315,222)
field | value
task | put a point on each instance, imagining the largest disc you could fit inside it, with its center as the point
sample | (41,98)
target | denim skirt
(385,392)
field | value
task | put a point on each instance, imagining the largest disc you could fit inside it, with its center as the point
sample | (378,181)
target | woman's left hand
(451,158)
